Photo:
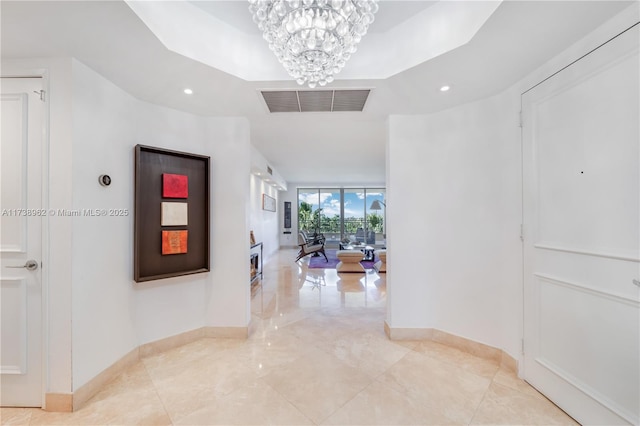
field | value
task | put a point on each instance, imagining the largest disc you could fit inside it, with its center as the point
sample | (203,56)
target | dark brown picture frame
(149,262)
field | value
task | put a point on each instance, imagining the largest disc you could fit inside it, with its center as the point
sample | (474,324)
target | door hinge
(521,232)
(40,93)
(520,119)
(522,346)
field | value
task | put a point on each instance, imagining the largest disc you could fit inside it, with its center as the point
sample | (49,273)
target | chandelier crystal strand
(313,39)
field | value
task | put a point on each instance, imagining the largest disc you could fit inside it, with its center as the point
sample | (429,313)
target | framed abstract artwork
(268,203)
(171,219)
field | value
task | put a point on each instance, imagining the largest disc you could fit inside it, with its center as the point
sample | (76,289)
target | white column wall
(228,293)
(456,176)
(103,300)
(265,224)
(409,303)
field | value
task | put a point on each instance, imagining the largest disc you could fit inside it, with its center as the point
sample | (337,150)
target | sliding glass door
(308,210)
(354,214)
(354,224)
(375,215)
(330,213)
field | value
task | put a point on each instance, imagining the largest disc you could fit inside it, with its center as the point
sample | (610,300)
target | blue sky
(354,201)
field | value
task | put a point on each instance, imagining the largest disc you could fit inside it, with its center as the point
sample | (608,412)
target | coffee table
(367,250)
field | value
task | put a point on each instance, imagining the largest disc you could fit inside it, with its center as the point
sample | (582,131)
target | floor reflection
(316,354)
(325,288)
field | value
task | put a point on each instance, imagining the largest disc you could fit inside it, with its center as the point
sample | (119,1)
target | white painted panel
(13,180)
(581,204)
(598,361)
(610,275)
(13,317)
(174,214)
(21,292)
(583,179)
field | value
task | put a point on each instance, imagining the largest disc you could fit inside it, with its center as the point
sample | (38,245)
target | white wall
(111,313)
(260,166)
(291,195)
(103,296)
(454,186)
(95,313)
(265,224)
(453,217)
(228,293)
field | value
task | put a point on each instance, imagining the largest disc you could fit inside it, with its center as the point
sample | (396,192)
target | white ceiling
(236,13)
(332,148)
(411,38)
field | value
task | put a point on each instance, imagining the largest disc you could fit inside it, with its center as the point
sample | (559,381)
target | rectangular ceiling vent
(315,100)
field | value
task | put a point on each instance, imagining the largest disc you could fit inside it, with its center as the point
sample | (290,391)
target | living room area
(342,215)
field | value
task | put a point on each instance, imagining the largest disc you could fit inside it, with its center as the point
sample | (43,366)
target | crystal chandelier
(313,39)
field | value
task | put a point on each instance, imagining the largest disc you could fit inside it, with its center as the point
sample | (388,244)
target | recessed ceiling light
(188,91)
(444,88)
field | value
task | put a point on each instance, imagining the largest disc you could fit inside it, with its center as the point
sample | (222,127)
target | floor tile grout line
(391,366)
(515,388)
(28,410)
(345,365)
(155,388)
(374,380)
(447,361)
(475,411)
(173,420)
(484,396)
(287,399)
(348,401)
(539,395)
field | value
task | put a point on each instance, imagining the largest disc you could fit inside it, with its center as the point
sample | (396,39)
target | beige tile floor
(317,355)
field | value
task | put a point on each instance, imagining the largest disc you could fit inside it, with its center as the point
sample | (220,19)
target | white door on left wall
(21,138)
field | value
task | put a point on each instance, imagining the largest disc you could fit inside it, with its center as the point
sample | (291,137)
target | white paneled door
(581,148)
(21,242)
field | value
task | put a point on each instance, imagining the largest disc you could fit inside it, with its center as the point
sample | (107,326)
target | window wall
(356,214)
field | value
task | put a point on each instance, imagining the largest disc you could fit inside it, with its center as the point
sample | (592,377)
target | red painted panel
(175,186)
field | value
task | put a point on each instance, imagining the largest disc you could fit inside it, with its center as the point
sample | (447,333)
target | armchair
(307,248)
(313,239)
(368,237)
